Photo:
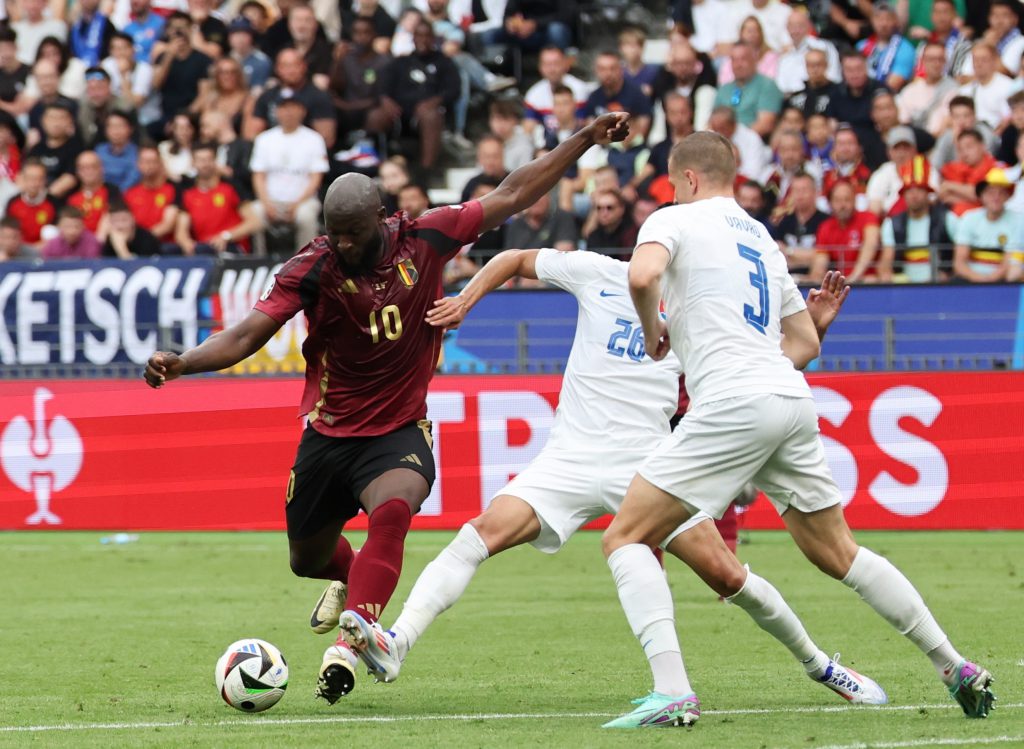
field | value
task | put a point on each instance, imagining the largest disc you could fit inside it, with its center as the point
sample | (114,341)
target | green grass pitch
(109,646)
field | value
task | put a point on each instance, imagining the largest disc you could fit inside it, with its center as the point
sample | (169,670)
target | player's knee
(304,565)
(611,540)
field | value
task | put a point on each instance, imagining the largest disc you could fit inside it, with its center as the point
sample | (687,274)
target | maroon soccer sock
(340,564)
(375,572)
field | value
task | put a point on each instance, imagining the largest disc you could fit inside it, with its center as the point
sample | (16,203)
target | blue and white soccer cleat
(327,610)
(371,642)
(851,686)
(337,674)
(659,710)
(971,690)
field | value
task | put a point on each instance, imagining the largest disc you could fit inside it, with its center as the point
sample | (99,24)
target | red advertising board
(908,450)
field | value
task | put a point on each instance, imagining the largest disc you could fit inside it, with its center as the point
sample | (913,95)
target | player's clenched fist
(612,127)
(163,366)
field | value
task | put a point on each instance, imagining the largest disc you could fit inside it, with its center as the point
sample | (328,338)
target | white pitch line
(975,741)
(464,717)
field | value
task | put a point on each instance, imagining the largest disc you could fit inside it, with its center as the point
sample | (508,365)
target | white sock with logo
(887,590)
(647,601)
(769,610)
(440,585)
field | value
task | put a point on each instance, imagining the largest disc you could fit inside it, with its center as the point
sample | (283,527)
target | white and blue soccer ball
(252,675)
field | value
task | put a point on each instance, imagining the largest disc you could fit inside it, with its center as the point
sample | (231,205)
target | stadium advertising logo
(42,457)
(924,457)
(98,313)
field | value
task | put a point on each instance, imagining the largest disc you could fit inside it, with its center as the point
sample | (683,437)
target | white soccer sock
(440,585)
(891,594)
(647,601)
(769,610)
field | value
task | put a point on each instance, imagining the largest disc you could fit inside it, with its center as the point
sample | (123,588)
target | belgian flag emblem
(407,272)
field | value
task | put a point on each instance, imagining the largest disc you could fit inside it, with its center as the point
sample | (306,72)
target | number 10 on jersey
(387,320)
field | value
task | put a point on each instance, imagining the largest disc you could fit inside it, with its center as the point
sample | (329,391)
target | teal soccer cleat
(971,690)
(659,710)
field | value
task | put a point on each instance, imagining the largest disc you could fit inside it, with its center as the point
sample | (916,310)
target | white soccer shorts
(770,440)
(569,488)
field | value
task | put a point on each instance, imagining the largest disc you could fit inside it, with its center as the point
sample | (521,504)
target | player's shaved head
(352,194)
(353,215)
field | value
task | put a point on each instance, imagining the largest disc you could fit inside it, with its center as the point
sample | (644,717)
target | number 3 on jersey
(388,320)
(759,280)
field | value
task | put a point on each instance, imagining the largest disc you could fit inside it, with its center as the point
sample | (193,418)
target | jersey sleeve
(572,271)
(663,227)
(282,298)
(792,300)
(449,228)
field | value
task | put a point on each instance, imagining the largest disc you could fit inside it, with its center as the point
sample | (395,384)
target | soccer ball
(251,675)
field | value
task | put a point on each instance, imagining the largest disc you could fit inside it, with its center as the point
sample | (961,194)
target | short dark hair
(961,101)
(970,133)
(118,206)
(417,187)
(508,109)
(561,90)
(69,211)
(179,15)
(1017,98)
(205,146)
(9,35)
(32,161)
(1010,4)
(122,36)
(9,222)
(124,115)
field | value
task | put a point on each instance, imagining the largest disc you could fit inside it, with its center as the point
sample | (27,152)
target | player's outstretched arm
(450,311)
(800,341)
(529,182)
(825,302)
(219,351)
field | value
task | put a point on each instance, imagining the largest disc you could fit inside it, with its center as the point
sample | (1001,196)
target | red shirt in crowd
(147,205)
(369,355)
(94,206)
(964,174)
(212,211)
(858,177)
(32,216)
(842,242)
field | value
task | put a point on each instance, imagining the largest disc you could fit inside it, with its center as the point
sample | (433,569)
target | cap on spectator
(900,134)
(96,73)
(917,173)
(883,6)
(996,177)
(242,24)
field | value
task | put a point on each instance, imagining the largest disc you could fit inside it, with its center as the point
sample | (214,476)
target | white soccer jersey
(726,291)
(612,393)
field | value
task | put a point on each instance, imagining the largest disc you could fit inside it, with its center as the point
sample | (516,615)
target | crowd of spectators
(882,140)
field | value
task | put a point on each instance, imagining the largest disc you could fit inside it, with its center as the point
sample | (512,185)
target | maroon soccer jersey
(369,352)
